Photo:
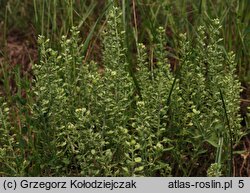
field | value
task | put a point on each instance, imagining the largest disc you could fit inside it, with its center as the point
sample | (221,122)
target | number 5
(241,184)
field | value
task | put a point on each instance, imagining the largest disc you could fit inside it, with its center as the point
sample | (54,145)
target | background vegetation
(135,88)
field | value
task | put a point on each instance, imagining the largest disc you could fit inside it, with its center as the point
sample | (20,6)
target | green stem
(230,134)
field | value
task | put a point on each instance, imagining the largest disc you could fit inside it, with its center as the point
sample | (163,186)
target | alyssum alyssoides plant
(93,124)
(197,110)
(209,105)
(87,123)
(7,142)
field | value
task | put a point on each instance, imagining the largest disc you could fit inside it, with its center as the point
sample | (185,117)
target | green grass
(140,21)
(162,100)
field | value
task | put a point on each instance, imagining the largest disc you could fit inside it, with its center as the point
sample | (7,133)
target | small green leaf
(66,161)
(93,152)
(125,169)
(138,169)
(213,143)
(239,152)
(138,160)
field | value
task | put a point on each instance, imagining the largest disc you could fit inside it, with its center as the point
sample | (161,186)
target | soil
(19,50)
